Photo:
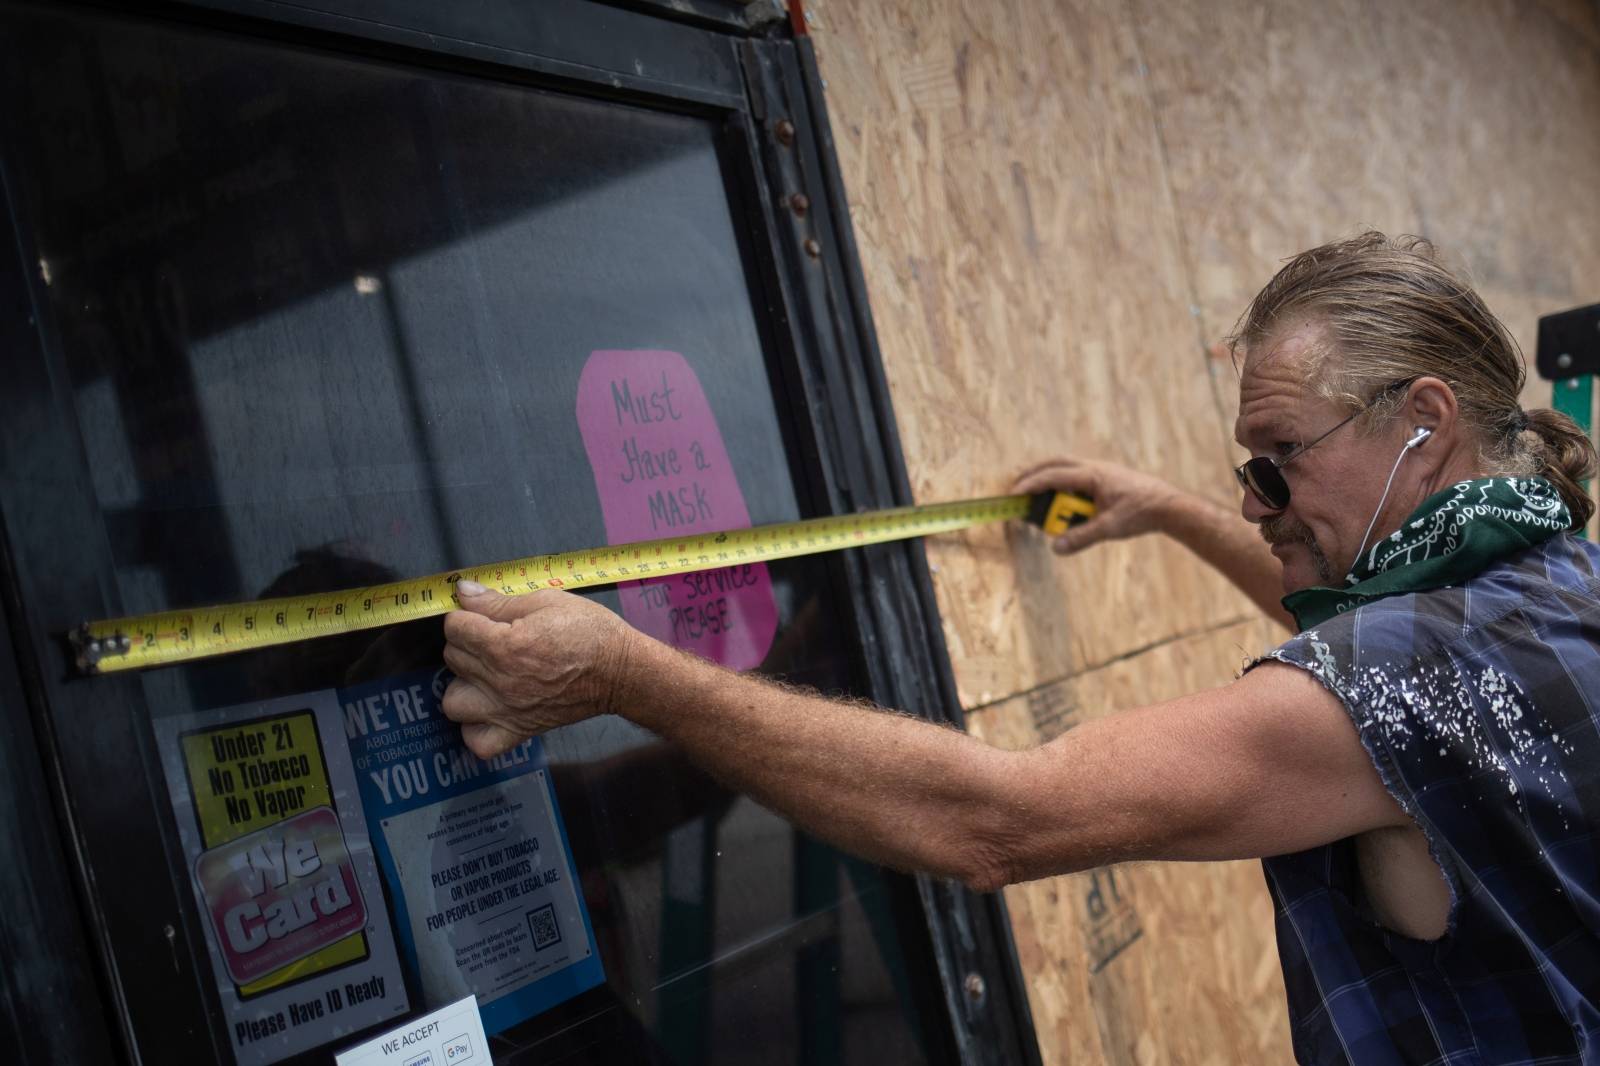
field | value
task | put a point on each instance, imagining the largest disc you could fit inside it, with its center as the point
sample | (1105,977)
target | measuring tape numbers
(139,642)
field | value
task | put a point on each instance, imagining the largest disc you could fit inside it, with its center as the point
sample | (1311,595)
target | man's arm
(1267,765)
(1232,546)
(1129,503)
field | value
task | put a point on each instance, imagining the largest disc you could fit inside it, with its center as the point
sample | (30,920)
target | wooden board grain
(1060,204)
(1289,124)
(1580,17)
(1022,262)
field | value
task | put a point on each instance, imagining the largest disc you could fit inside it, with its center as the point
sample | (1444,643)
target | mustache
(1284,530)
(1281,529)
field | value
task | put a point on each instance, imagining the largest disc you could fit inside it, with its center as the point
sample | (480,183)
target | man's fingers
(1035,475)
(465,701)
(1059,476)
(487,602)
(1069,542)
(471,632)
(486,740)
(463,663)
(1092,532)
(1037,482)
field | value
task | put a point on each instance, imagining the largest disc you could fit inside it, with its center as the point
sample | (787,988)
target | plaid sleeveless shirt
(1480,706)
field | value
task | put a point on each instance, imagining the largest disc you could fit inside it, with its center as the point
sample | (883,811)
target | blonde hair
(1391,313)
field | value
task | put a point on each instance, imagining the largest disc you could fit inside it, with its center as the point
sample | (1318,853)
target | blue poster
(474,853)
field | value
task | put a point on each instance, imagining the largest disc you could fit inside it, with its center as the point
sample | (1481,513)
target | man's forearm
(895,789)
(1232,546)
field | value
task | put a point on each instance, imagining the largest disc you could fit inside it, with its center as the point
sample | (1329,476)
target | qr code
(546,930)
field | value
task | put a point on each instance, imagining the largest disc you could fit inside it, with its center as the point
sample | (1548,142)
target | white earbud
(1418,435)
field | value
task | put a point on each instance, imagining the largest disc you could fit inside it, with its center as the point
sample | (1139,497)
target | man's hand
(1127,503)
(527,664)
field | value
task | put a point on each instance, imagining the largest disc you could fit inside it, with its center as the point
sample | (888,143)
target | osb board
(1273,147)
(1023,266)
(1580,16)
(1059,205)
(1471,122)
(1149,963)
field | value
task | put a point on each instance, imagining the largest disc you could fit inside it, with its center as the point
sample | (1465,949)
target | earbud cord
(1381,501)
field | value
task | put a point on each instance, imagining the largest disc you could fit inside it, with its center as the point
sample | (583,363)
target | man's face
(1334,487)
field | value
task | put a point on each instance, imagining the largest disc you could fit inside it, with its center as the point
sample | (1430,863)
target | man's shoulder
(1549,581)
(1379,633)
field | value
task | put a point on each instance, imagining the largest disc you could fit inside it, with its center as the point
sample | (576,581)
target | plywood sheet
(1170,962)
(1060,204)
(1290,123)
(1287,124)
(1022,261)
(1501,164)
(1581,17)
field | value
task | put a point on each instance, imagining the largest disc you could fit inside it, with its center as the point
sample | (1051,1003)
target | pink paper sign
(277,895)
(661,468)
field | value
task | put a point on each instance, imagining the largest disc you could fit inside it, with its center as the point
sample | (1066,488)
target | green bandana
(1456,534)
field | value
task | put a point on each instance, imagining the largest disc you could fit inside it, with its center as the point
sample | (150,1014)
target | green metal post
(1575,397)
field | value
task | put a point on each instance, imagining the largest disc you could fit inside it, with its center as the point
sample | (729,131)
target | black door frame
(738,64)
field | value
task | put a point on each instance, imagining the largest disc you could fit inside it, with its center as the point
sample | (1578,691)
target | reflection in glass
(324,320)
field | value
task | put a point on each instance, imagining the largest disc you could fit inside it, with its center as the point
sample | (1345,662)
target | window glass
(329,321)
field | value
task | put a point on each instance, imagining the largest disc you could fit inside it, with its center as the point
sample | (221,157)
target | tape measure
(139,642)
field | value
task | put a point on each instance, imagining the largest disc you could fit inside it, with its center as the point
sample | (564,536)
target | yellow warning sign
(251,776)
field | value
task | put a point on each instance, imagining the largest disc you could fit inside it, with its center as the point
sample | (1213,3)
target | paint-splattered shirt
(1480,707)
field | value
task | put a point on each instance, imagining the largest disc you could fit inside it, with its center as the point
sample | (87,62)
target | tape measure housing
(1056,512)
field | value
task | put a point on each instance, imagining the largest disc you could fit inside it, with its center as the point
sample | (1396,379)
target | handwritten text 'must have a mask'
(661,468)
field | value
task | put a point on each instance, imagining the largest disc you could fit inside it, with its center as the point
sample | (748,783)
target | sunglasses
(1263,475)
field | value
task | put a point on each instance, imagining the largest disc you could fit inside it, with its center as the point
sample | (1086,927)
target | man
(1420,766)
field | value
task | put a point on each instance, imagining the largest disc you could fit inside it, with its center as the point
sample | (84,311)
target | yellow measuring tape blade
(141,641)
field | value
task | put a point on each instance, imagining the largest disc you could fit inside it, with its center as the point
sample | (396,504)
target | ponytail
(1565,457)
